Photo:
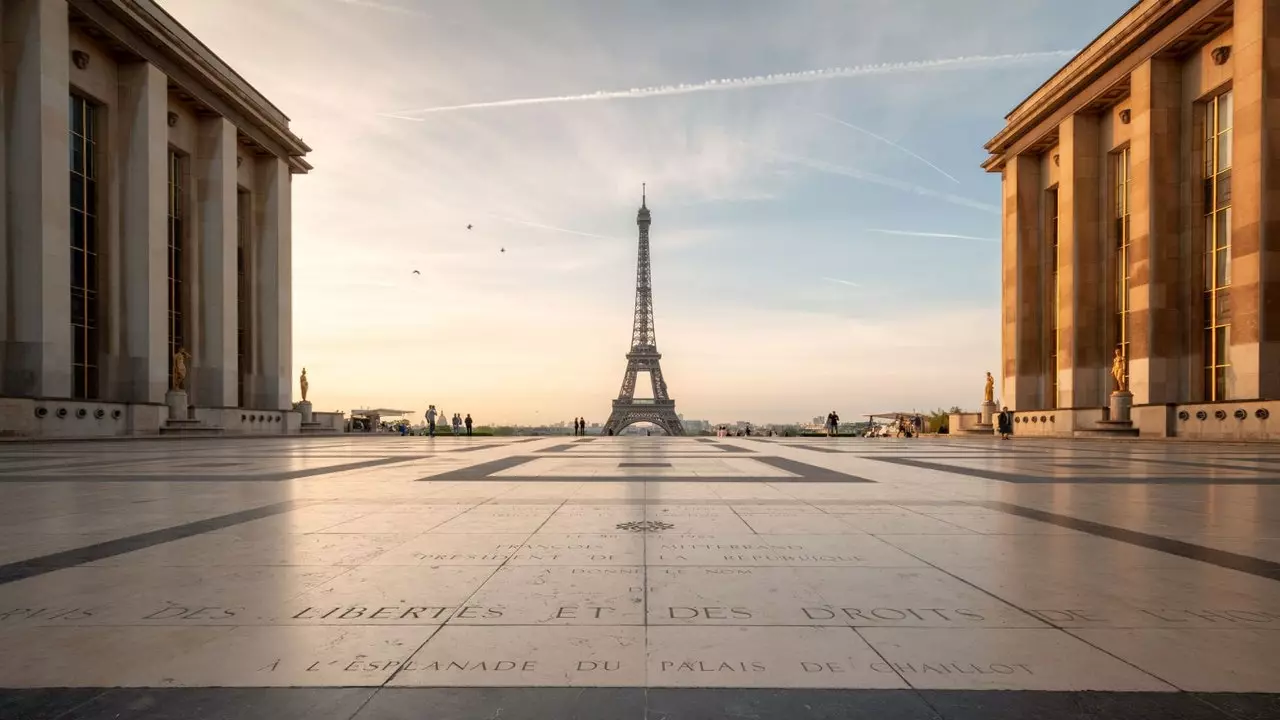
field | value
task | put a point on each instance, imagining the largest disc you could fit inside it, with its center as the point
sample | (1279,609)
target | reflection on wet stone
(491,577)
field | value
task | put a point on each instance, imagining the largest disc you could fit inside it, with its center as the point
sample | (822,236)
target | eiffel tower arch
(644,356)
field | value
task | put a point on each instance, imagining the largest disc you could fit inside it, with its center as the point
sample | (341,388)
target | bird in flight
(468,226)
(504,250)
(415,272)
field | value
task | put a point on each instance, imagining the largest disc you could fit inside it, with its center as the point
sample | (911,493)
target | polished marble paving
(360,576)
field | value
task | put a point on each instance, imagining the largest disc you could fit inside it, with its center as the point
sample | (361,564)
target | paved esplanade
(390,577)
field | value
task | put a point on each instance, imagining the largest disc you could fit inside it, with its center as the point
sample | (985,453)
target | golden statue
(1117,369)
(303,382)
(180,368)
(988,394)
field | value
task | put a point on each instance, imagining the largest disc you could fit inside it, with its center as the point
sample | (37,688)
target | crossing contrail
(842,282)
(833,169)
(790,78)
(890,143)
(931,235)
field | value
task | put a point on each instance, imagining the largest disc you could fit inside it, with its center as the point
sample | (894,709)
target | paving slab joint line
(491,575)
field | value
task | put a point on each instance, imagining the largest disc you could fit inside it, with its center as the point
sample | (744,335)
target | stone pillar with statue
(1121,398)
(988,402)
(176,398)
(304,407)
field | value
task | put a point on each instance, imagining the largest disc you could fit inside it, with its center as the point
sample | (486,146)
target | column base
(989,409)
(178,409)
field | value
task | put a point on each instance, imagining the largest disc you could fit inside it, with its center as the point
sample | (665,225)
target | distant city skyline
(823,236)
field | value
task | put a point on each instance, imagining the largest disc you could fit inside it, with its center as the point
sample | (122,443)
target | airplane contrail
(384,6)
(553,228)
(909,233)
(833,169)
(890,143)
(842,282)
(790,78)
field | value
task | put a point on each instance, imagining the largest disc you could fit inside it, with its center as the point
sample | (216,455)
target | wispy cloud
(850,283)
(890,143)
(909,233)
(742,83)
(384,7)
(833,169)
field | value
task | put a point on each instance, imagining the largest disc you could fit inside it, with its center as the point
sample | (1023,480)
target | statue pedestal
(989,410)
(304,407)
(1121,403)
(177,402)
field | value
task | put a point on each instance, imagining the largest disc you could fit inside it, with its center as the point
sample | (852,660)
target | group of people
(457,422)
(579,426)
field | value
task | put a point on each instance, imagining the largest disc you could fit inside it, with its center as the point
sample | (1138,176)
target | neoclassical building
(1142,212)
(146,209)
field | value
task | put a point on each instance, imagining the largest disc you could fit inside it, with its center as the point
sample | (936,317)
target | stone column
(1157,316)
(1022,343)
(1081,349)
(1255,216)
(273,284)
(215,174)
(37,224)
(143,176)
(4,228)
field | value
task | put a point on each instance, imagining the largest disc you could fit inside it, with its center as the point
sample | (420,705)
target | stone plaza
(376,577)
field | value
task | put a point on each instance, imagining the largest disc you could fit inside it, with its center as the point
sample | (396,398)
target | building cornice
(149,32)
(1139,33)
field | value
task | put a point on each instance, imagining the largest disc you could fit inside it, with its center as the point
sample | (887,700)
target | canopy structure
(891,416)
(382,412)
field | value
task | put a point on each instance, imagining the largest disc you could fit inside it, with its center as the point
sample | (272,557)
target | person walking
(467,422)
(457,424)
(1004,423)
(431,420)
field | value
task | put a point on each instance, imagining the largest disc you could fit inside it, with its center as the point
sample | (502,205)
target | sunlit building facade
(146,209)
(1136,217)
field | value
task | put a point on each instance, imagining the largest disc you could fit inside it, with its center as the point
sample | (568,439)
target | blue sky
(778,294)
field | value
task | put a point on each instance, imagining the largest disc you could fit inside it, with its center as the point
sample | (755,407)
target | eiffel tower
(644,355)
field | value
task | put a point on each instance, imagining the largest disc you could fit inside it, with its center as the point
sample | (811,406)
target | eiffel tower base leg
(625,416)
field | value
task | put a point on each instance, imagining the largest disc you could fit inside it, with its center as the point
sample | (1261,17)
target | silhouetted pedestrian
(467,422)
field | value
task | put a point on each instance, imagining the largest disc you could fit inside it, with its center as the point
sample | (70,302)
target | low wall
(28,418)
(335,421)
(1057,422)
(961,423)
(1256,420)
(237,421)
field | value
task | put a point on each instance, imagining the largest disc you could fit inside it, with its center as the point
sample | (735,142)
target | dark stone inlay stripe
(1043,480)
(23,569)
(613,703)
(259,477)
(473,448)
(481,471)
(644,464)
(812,473)
(1221,558)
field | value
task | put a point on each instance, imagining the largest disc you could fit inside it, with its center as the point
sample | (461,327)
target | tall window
(242,293)
(84,249)
(1051,231)
(1121,233)
(177,266)
(1217,253)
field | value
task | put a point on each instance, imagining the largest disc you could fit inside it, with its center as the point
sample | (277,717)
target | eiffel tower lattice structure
(644,355)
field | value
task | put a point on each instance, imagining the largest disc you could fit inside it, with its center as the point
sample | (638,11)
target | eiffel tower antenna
(644,355)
